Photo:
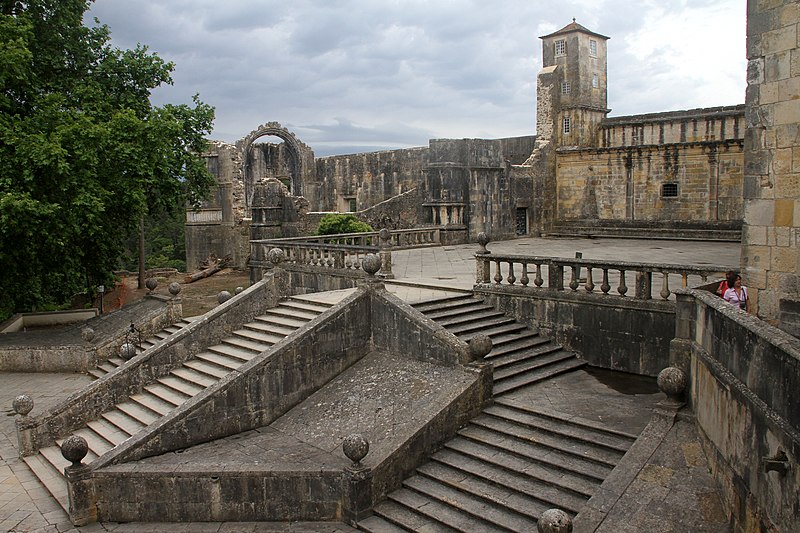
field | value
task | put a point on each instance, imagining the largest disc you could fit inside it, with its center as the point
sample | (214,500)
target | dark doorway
(522,221)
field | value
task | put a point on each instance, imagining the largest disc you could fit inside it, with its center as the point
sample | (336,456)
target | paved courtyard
(663,486)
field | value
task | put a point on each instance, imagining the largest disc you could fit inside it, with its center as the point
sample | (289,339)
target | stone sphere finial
(483,240)
(224,296)
(22,404)
(74,449)
(384,234)
(479,346)
(151,284)
(672,381)
(355,448)
(127,350)
(238,290)
(276,256)
(554,521)
(174,288)
(87,334)
(371,264)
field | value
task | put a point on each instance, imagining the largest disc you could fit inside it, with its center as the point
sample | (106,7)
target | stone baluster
(644,281)
(573,282)
(538,280)
(524,279)
(623,288)
(665,292)
(605,286)
(385,253)
(511,279)
(498,273)
(589,282)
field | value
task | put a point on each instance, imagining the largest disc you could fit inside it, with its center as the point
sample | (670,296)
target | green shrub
(334,223)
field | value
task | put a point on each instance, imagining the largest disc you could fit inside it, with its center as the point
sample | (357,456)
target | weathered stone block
(784,212)
(777,67)
(759,212)
(779,40)
(755,256)
(783,260)
(754,235)
(787,112)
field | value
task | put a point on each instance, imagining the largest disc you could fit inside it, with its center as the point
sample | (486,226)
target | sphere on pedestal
(371,264)
(276,256)
(151,284)
(22,404)
(174,288)
(355,448)
(554,521)
(479,346)
(224,296)
(127,351)
(672,381)
(74,449)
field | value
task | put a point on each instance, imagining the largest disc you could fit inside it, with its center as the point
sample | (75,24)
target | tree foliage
(83,152)
(334,223)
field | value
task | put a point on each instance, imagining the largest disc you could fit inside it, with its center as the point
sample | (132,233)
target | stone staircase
(519,354)
(512,462)
(165,394)
(112,363)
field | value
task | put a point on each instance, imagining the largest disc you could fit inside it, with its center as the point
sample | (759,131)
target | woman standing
(737,293)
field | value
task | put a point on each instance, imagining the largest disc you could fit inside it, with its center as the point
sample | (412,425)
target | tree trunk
(141,253)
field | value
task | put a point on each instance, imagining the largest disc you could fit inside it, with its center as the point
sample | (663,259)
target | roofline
(579,28)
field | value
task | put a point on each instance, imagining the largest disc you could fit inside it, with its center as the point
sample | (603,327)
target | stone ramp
(167,393)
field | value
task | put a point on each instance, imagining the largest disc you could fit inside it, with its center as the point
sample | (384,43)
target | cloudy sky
(360,75)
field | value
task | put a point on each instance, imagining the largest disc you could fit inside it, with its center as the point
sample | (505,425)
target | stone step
(488,515)
(306,305)
(487,315)
(52,454)
(167,394)
(533,360)
(146,345)
(516,341)
(534,376)
(451,302)
(232,352)
(484,326)
(247,343)
(52,479)
(179,384)
(108,431)
(194,377)
(401,517)
(473,306)
(261,333)
(270,328)
(270,317)
(570,427)
(376,524)
(126,423)
(209,369)
(153,402)
(507,361)
(532,496)
(538,437)
(509,328)
(293,313)
(444,514)
(573,488)
(144,415)
(218,359)
(520,508)
(531,451)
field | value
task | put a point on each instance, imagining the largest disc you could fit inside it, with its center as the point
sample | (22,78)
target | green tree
(83,153)
(334,223)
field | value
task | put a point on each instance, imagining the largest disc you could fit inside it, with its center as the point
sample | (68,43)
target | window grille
(669,190)
(593,48)
(560,47)
(567,125)
(565,87)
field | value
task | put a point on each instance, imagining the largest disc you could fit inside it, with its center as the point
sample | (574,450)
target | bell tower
(577,59)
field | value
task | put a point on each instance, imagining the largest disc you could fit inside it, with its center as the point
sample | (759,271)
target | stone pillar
(385,253)
(680,348)
(80,482)
(771,233)
(26,426)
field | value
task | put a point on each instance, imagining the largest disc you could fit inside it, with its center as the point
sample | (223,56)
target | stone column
(770,236)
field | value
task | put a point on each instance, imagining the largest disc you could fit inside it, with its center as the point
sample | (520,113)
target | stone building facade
(672,174)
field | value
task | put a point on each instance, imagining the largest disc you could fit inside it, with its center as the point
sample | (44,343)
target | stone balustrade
(591,275)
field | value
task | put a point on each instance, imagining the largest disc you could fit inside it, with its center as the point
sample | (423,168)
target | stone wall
(612,332)
(744,378)
(771,242)
(625,184)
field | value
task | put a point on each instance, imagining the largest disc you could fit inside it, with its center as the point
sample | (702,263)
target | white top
(731,296)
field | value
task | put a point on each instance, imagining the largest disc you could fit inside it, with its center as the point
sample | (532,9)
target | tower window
(565,87)
(593,48)
(595,81)
(669,190)
(560,47)
(567,125)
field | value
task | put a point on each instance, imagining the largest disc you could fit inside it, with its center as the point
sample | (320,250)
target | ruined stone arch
(302,158)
